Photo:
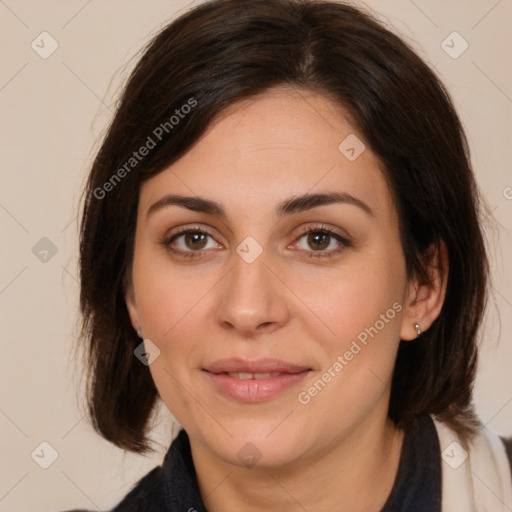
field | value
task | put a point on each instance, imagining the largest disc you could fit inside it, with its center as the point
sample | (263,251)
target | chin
(261,444)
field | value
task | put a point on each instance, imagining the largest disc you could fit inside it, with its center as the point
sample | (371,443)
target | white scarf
(475,478)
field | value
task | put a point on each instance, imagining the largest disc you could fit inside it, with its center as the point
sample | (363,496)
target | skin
(286,305)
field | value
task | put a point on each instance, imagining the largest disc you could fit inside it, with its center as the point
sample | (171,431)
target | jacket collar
(181,490)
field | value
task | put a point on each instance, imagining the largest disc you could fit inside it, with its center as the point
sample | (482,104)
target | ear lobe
(425,300)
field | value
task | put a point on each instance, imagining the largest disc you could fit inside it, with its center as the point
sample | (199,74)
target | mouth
(255,367)
(248,375)
(254,381)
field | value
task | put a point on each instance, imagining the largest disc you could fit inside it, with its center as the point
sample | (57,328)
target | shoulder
(171,486)
(148,490)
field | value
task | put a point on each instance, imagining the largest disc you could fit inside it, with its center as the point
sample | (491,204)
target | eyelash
(305,231)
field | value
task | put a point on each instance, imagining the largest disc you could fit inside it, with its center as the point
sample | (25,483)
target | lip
(254,366)
(254,390)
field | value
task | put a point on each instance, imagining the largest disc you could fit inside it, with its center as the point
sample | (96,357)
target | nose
(254,299)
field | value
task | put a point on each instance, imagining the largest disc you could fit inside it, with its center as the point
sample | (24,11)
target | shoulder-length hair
(224,51)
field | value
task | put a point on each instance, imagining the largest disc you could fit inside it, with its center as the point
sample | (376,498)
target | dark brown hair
(223,51)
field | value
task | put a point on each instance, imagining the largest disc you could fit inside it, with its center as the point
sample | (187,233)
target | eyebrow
(294,204)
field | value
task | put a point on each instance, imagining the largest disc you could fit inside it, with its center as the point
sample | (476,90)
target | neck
(356,474)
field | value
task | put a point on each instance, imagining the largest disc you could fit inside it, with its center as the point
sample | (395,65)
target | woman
(272,245)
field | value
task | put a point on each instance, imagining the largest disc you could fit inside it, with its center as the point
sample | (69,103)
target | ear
(131,305)
(425,300)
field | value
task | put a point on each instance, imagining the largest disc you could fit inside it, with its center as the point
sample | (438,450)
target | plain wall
(54,111)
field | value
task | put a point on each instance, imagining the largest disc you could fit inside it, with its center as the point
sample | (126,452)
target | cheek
(175,305)
(356,300)
(167,295)
(360,318)
(171,306)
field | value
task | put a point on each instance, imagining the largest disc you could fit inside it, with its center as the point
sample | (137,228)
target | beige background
(53,111)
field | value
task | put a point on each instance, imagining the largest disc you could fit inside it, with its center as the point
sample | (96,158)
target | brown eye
(195,240)
(321,242)
(318,240)
(190,242)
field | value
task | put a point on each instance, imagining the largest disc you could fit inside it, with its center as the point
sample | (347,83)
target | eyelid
(189,228)
(323,227)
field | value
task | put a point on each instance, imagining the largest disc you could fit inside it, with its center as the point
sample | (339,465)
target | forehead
(283,142)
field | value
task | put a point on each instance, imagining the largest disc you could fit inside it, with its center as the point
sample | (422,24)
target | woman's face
(269,273)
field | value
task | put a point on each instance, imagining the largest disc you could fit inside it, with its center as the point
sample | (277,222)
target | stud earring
(418,328)
(139,333)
